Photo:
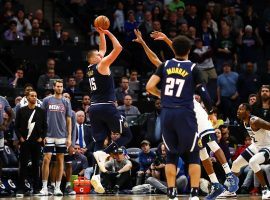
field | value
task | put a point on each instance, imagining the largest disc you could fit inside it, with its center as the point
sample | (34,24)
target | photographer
(118,174)
(158,166)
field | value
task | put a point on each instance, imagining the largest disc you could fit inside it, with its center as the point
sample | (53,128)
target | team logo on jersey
(90,73)
(57,107)
(125,124)
(200,143)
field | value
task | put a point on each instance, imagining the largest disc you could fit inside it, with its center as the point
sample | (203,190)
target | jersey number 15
(171,83)
(92,83)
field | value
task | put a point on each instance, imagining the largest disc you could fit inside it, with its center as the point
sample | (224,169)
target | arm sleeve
(201,89)
(159,70)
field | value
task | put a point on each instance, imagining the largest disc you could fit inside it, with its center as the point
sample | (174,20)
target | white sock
(44,184)
(67,184)
(226,168)
(53,184)
(57,184)
(213,178)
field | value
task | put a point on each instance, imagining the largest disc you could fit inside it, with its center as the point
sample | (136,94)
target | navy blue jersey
(101,86)
(178,81)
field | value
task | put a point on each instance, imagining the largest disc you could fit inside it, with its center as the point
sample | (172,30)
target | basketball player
(105,118)
(259,151)
(58,136)
(205,130)
(4,124)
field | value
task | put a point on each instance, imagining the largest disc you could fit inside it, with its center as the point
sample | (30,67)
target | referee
(30,128)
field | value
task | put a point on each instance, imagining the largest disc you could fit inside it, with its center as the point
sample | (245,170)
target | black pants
(123,180)
(29,151)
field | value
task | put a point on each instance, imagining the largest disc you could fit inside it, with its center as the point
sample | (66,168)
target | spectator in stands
(139,11)
(151,129)
(175,4)
(146,27)
(146,158)
(227,94)
(37,34)
(12,34)
(79,162)
(134,83)
(43,23)
(202,55)
(158,166)
(65,39)
(50,63)
(262,106)
(118,173)
(235,20)
(56,33)
(30,140)
(252,98)
(119,18)
(265,77)
(128,109)
(192,17)
(171,23)
(84,136)
(249,44)
(18,81)
(85,107)
(250,79)
(157,13)
(123,90)
(71,87)
(23,24)
(227,137)
(44,79)
(130,25)
(212,24)
(206,34)
(150,4)
(79,76)
(225,48)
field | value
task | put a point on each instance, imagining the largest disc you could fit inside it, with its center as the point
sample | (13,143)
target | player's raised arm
(259,123)
(150,54)
(157,35)
(102,44)
(104,65)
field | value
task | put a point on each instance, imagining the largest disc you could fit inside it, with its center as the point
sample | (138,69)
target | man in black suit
(151,129)
(84,137)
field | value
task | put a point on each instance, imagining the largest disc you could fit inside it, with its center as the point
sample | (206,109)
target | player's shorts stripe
(206,132)
(105,103)
(165,143)
(194,141)
(250,152)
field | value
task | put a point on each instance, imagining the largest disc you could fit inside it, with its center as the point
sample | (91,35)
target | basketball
(102,22)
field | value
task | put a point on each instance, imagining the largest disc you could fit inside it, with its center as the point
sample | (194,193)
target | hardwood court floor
(120,197)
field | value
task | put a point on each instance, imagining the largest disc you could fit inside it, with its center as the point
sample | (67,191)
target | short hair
(247,106)
(181,45)
(57,81)
(80,112)
(252,95)
(90,53)
(28,85)
(32,91)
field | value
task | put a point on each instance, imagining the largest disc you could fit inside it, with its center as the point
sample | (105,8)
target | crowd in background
(230,45)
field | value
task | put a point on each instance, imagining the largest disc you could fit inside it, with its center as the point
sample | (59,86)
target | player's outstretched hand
(138,35)
(157,35)
(100,30)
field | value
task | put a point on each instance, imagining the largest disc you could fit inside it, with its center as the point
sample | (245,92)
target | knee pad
(204,154)
(238,164)
(213,146)
(172,159)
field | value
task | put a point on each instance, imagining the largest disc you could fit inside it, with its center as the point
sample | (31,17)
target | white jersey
(260,138)
(204,125)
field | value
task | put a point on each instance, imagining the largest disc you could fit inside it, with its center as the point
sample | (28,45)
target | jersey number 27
(92,83)
(171,83)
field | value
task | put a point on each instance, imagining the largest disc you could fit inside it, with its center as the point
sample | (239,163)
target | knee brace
(204,154)
(213,146)
(256,160)
(238,164)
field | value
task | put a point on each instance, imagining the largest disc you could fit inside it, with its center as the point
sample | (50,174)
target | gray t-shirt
(4,106)
(115,166)
(57,111)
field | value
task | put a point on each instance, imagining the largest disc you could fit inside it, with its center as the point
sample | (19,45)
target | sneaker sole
(97,187)
(99,162)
